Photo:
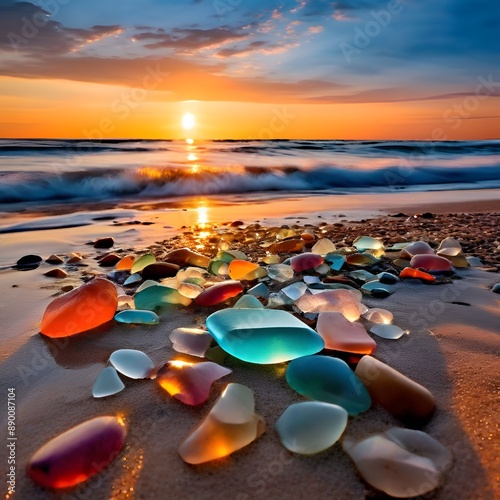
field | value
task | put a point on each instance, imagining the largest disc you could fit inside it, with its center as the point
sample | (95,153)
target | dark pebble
(159,270)
(104,243)
(496,288)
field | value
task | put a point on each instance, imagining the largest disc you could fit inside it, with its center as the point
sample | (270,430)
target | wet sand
(450,350)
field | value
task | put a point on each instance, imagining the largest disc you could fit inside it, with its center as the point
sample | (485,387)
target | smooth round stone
(79,453)
(104,243)
(410,273)
(416,248)
(219,293)
(133,364)
(82,309)
(385,331)
(263,336)
(305,261)
(431,263)
(380,293)
(107,383)
(137,316)
(311,426)
(29,261)
(159,270)
(330,380)
(248,302)
(142,262)
(496,288)
(185,256)
(402,463)
(402,397)
(109,260)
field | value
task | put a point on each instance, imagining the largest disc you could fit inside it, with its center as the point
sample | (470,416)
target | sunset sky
(347,69)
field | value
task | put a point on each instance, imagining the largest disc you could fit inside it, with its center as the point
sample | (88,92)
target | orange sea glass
(79,453)
(431,263)
(82,309)
(238,269)
(126,263)
(409,272)
(219,293)
(341,334)
(287,246)
(185,256)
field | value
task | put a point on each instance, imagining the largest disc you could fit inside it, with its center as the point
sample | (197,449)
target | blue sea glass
(156,296)
(107,383)
(132,316)
(328,379)
(263,336)
(259,290)
(132,363)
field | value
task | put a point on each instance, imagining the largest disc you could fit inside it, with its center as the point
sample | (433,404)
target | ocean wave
(151,182)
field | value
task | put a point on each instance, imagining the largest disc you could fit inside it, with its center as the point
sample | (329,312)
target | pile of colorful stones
(302,303)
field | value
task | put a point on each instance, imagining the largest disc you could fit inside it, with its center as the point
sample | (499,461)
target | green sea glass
(263,336)
(157,296)
(311,426)
(132,316)
(142,262)
(248,302)
(330,380)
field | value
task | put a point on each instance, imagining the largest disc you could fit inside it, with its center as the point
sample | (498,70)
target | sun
(188,121)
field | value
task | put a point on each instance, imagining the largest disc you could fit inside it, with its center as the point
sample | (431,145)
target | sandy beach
(450,350)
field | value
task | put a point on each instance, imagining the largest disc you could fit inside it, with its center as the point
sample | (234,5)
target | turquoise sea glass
(259,290)
(136,316)
(107,383)
(263,336)
(248,302)
(156,296)
(311,426)
(132,363)
(328,379)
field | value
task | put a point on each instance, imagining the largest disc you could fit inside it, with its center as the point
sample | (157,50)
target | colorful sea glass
(342,335)
(238,269)
(361,259)
(142,262)
(431,263)
(190,382)
(132,363)
(287,246)
(311,426)
(371,286)
(449,247)
(280,272)
(295,290)
(191,341)
(186,257)
(416,248)
(363,243)
(132,279)
(259,290)
(343,301)
(219,293)
(362,275)
(248,302)
(137,316)
(377,315)
(386,331)
(107,383)
(79,453)
(323,246)
(410,273)
(231,425)
(402,463)
(189,290)
(387,278)
(82,309)
(145,285)
(405,399)
(305,261)
(156,296)
(336,261)
(159,270)
(330,380)
(126,263)
(263,336)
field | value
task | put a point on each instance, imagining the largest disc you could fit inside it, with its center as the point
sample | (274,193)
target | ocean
(49,173)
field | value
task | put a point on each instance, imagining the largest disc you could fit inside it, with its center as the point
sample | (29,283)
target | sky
(243,69)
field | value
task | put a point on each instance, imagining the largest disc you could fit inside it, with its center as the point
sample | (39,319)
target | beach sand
(452,349)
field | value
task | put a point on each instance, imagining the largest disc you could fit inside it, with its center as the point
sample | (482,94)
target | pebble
(104,243)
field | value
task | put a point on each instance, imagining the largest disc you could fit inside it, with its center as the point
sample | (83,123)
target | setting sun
(188,121)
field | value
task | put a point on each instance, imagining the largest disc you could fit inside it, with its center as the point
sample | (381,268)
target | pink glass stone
(417,248)
(306,261)
(219,293)
(341,335)
(79,453)
(190,382)
(431,263)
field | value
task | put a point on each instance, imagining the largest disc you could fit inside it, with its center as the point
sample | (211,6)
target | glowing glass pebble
(190,382)
(431,263)
(305,261)
(248,302)
(389,332)
(231,425)
(403,463)
(409,272)
(192,273)
(126,263)
(449,247)
(311,426)
(262,336)
(189,290)
(287,246)
(343,301)
(323,246)
(363,243)
(416,248)
(341,335)
(330,380)
(132,363)
(191,341)
(219,293)
(280,272)
(156,296)
(107,383)
(402,397)
(137,316)
(186,257)
(79,453)
(295,290)
(81,309)
(142,262)
(377,315)
(238,269)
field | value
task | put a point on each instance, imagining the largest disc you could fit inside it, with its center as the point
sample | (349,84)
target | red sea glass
(306,261)
(82,309)
(431,263)
(190,382)
(409,272)
(219,293)
(79,453)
